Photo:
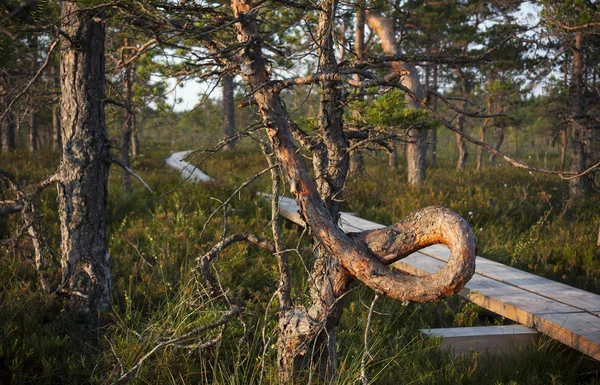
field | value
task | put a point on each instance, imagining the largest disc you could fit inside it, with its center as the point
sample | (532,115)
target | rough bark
(228,111)
(416,149)
(83,171)
(365,262)
(580,133)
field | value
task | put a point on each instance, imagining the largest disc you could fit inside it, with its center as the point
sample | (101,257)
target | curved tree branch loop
(362,263)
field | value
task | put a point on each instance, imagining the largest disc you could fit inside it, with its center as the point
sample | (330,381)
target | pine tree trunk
(357,164)
(8,133)
(126,132)
(484,126)
(500,133)
(432,140)
(580,133)
(479,165)
(33,138)
(463,151)
(563,147)
(228,111)
(83,171)
(416,150)
(56,131)
(461,144)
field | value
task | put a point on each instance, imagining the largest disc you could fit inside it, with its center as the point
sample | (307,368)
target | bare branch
(130,171)
(177,340)
(366,354)
(31,82)
(204,262)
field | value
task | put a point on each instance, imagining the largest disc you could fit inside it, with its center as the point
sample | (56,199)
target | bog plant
(155,239)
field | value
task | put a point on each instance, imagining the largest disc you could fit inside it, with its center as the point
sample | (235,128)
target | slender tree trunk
(127,130)
(563,147)
(33,142)
(463,151)
(357,164)
(135,138)
(56,131)
(500,133)
(8,132)
(461,144)
(479,166)
(83,171)
(228,111)
(580,134)
(484,126)
(432,141)
(416,148)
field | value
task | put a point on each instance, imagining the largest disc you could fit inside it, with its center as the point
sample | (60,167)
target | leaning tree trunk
(364,256)
(416,150)
(580,133)
(83,171)
(228,112)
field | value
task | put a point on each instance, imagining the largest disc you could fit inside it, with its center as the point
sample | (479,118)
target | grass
(519,219)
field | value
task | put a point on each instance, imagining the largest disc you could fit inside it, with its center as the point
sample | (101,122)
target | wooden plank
(581,299)
(508,301)
(581,331)
(484,338)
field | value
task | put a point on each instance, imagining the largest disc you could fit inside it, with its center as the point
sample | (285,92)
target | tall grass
(155,238)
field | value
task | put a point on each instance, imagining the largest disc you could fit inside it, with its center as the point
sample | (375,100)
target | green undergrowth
(155,240)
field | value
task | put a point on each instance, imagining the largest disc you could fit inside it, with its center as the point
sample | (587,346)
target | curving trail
(188,170)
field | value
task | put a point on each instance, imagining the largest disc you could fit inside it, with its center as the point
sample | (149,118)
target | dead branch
(366,354)
(118,162)
(10,209)
(204,262)
(31,81)
(176,341)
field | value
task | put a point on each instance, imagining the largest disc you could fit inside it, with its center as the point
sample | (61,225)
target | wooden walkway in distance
(567,314)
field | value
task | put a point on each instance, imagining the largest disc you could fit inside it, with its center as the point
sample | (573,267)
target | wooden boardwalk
(567,314)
